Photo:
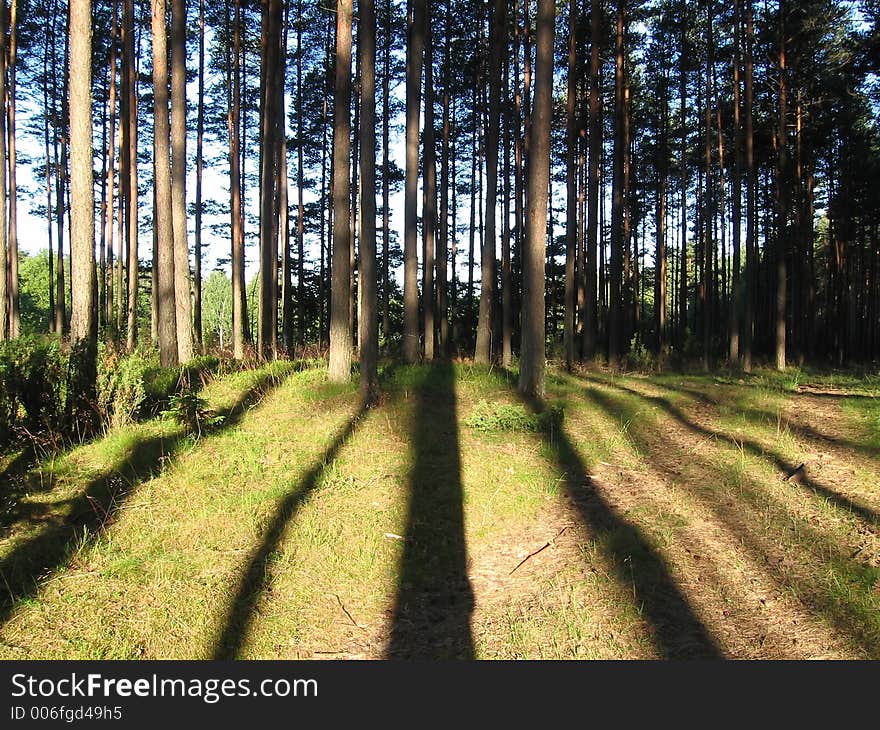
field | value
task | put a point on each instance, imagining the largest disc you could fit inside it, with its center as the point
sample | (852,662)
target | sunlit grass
(157,570)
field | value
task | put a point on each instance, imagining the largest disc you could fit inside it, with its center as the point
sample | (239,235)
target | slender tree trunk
(429,198)
(239,299)
(369,336)
(162,213)
(300,182)
(49,42)
(4,239)
(269,160)
(660,269)
(415,44)
(200,133)
(61,181)
(736,283)
(182,295)
(498,32)
(616,323)
(571,210)
(84,325)
(751,197)
(782,196)
(683,288)
(386,175)
(106,282)
(590,314)
(284,196)
(531,377)
(443,250)
(506,272)
(129,151)
(340,332)
(14,297)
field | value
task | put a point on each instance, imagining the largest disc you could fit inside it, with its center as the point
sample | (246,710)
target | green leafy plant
(494,417)
(191,411)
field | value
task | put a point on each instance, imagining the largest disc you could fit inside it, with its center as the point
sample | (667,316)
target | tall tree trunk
(106,282)
(751,197)
(683,289)
(415,44)
(736,283)
(340,332)
(200,133)
(369,336)
(429,198)
(782,195)
(571,200)
(14,298)
(4,239)
(506,269)
(84,325)
(443,247)
(590,313)
(531,376)
(660,269)
(269,160)
(239,299)
(386,175)
(48,42)
(162,213)
(300,182)
(182,295)
(283,185)
(129,152)
(616,315)
(498,33)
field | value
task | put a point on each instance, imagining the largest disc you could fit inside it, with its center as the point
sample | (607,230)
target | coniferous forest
(642,233)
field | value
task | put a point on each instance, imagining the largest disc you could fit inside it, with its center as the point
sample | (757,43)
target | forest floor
(625,517)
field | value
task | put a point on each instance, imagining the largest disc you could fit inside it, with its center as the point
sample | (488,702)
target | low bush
(33,376)
(493,417)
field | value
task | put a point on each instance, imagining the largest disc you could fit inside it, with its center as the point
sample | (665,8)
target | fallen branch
(538,551)
(345,611)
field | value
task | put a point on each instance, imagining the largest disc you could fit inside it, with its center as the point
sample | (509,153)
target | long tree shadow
(762,416)
(432,612)
(678,631)
(68,524)
(758,450)
(844,598)
(253,583)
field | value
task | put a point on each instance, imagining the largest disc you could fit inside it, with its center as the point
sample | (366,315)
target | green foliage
(495,417)
(134,386)
(640,357)
(32,385)
(191,411)
(121,387)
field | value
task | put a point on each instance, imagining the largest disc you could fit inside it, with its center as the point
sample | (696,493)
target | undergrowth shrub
(493,417)
(33,374)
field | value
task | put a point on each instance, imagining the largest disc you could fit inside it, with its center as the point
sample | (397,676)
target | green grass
(298,525)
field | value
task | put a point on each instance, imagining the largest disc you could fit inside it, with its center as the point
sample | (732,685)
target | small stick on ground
(345,611)
(539,550)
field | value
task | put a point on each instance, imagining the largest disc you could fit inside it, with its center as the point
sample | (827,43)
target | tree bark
(415,44)
(616,315)
(130,180)
(271,56)
(531,377)
(429,197)
(200,133)
(162,213)
(84,325)
(14,296)
(182,293)
(498,33)
(369,336)
(571,200)
(340,332)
